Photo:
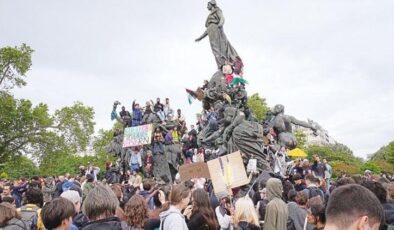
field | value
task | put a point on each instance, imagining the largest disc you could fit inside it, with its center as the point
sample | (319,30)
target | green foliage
(258,106)
(76,125)
(340,166)
(385,153)
(301,138)
(27,129)
(379,155)
(65,162)
(14,63)
(4,175)
(390,152)
(331,153)
(386,166)
(21,126)
(19,166)
(372,166)
(339,156)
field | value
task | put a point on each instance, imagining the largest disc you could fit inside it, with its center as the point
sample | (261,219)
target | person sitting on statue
(161,115)
(205,85)
(158,140)
(167,109)
(135,179)
(175,135)
(168,137)
(137,115)
(135,159)
(148,165)
(148,108)
(125,115)
(112,175)
(158,106)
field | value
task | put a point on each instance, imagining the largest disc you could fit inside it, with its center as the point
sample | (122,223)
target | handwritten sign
(195,170)
(137,136)
(227,172)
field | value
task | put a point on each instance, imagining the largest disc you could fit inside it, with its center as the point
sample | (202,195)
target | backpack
(30,216)
(314,191)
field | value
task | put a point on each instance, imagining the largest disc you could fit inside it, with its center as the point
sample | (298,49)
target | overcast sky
(330,61)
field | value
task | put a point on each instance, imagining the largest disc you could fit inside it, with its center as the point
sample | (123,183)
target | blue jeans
(135,167)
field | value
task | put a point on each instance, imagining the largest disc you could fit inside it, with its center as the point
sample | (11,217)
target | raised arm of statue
(300,123)
(202,36)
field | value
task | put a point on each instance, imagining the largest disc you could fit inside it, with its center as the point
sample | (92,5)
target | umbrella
(297,153)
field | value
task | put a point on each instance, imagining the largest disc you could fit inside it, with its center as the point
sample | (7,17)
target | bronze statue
(281,124)
(221,47)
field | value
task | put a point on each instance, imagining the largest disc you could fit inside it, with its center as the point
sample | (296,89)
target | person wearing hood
(171,218)
(276,213)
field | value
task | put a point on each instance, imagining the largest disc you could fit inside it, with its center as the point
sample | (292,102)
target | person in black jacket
(100,207)
(112,175)
(203,216)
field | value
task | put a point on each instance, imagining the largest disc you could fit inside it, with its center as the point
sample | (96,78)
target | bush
(3,175)
(340,166)
(372,166)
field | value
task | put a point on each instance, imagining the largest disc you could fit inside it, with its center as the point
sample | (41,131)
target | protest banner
(137,135)
(227,172)
(195,170)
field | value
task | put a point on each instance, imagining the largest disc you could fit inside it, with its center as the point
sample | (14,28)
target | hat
(367,172)
(72,196)
(67,185)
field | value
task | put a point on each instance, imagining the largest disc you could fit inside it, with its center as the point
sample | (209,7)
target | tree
(76,125)
(27,129)
(372,166)
(21,125)
(258,106)
(19,166)
(390,152)
(301,138)
(331,154)
(14,63)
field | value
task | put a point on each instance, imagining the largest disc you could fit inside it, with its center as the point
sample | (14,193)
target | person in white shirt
(223,214)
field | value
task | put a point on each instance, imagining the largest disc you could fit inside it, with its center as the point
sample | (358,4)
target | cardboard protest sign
(227,172)
(138,135)
(195,170)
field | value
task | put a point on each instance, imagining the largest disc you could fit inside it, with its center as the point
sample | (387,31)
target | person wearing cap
(75,198)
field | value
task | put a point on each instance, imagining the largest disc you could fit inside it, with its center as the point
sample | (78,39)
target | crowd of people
(304,200)
(299,195)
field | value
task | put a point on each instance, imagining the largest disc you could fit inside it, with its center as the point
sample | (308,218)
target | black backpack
(30,216)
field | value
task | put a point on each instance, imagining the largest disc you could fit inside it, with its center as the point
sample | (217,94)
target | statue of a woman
(221,47)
